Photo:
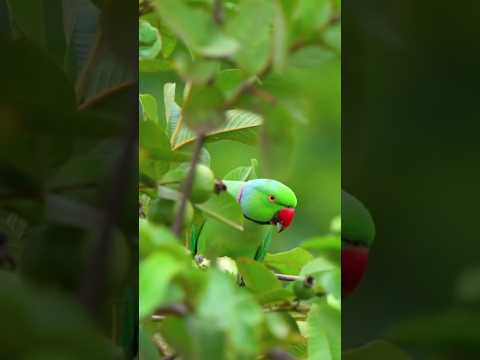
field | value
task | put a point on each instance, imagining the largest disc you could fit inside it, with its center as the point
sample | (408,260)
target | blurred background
(410,152)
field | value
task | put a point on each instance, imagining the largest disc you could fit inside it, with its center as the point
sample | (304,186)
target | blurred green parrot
(266,204)
(358,234)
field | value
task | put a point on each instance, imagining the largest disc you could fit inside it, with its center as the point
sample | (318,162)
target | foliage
(242,72)
(67,274)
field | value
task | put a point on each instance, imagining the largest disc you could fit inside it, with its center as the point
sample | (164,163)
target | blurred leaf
(203,110)
(45,88)
(225,306)
(253,17)
(468,285)
(454,329)
(147,349)
(333,37)
(324,332)
(155,239)
(223,207)
(289,262)
(317,265)
(154,65)
(242,173)
(376,350)
(81,22)
(311,16)
(41,21)
(229,81)
(280,40)
(197,72)
(155,274)
(323,243)
(196,28)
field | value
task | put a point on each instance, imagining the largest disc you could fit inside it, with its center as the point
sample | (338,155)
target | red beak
(285,218)
(354,265)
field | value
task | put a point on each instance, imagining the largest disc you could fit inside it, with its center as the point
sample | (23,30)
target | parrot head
(266,201)
(358,233)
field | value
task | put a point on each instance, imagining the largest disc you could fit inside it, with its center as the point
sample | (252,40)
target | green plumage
(260,201)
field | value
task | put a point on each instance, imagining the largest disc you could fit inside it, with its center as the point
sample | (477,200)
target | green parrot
(358,234)
(265,204)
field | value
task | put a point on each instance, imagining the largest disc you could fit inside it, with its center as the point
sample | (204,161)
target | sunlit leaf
(289,262)
(324,332)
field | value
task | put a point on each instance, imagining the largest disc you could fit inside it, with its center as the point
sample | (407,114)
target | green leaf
(146,347)
(323,243)
(243,173)
(240,126)
(324,332)
(252,17)
(452,329)
(230,80)
(376,350)
(172,110)
(155,275)
(223,207)
(150,108)
(41,21)
(234,311)
(467,287)
(310,16)
(196,28)
(203,109)
(262,282)
(317,265)
(289,262)
(149,40)
(154,65)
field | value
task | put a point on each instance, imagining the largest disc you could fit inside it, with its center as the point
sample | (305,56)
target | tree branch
(188,184)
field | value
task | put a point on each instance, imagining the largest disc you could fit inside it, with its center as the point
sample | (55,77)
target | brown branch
(218,12)
(188,184)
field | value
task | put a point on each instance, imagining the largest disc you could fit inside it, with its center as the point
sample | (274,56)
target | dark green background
(410,151)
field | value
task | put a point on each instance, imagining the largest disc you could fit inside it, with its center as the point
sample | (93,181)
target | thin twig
(218,12)
(188,184)
(284,277)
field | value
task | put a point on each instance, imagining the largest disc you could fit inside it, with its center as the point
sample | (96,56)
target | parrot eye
(271,198)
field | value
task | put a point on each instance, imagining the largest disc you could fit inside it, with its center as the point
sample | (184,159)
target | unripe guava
(203,184)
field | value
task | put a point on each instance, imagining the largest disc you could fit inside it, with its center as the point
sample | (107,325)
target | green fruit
(203,184)
(164,211)
(302,290)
